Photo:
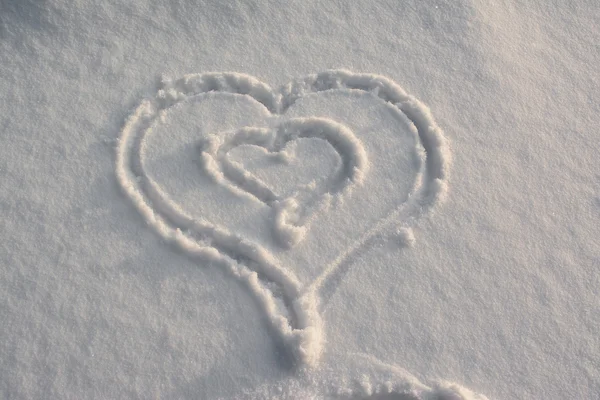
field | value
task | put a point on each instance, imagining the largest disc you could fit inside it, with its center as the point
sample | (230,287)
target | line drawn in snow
(292,307)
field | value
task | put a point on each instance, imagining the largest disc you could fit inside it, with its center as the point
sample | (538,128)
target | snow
(285,200)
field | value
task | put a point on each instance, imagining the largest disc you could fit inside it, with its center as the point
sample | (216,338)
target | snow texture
(302,227)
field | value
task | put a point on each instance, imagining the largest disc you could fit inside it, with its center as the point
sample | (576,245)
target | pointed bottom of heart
(363,378)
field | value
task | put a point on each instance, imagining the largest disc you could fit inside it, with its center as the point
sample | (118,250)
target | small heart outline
(288,231)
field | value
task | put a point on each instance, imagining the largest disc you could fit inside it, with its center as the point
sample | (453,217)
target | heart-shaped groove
(291,217)
(298,324)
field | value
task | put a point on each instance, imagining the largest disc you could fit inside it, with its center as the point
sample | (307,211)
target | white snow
(299,200)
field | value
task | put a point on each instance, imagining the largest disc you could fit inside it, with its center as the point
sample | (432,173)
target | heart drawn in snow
(291,306)
(299,167)
(291,214)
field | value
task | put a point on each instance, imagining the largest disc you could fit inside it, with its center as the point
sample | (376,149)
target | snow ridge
(371,379)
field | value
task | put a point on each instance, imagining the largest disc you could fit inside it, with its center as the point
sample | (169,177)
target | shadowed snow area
(267,199)
(14,14)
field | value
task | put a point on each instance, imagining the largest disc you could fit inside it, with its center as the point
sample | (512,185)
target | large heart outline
(299,325)
(288,227)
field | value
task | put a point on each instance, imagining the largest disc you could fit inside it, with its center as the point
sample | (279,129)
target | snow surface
(289,200)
